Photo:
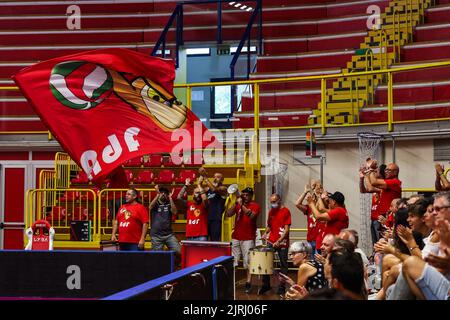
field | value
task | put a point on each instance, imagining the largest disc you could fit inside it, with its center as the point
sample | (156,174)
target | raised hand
(383,246)
(362,172)
(202,172)
(405,234)
(319,258)
(188,181)
(307,188)
(443,230)
(296,292)
(382,219)
(439,168)
(309,199)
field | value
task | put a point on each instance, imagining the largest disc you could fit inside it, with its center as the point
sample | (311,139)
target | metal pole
(321,170)
(248,56)
(323,88)
(219,22)
(390,102)
(259,4)
(393,149)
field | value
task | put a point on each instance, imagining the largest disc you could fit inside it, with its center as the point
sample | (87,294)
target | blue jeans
(375,230)
(170,241)
(199,238)
(124,246)
(215,230)
(433,284)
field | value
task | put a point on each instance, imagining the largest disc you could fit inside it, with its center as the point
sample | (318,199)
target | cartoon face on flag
(108,106)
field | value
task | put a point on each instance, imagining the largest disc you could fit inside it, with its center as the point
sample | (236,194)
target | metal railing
(177,17)
(68,205)
(324,125)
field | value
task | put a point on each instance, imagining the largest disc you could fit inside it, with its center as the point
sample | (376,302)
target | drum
(261,260)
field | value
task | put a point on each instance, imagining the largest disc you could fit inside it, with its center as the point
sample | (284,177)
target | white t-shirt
(363,256)
(430,247)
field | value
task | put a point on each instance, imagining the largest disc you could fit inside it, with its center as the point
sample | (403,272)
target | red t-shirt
(320,225)
(393,191)
(197,220)
(244,227)
(313,226)
(338,220)
(374,209)
(276,221)
(130,218)
(390,220)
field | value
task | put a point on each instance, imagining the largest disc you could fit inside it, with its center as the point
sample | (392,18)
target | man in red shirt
(277,233)
(244,233)
(197,213)
(335,215)
(391,188)
(132,223)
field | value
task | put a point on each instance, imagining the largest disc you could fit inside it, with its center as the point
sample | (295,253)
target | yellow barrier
(109,201)
(69,205)
(64,165)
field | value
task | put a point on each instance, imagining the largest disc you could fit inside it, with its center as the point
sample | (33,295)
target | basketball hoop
(369,144)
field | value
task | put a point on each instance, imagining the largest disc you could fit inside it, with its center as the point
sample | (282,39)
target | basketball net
(369,144)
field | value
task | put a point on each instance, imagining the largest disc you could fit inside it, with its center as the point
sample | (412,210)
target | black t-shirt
(161,220)
(216,205)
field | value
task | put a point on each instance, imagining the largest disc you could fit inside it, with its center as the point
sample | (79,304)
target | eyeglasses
(437,209)
(291,254)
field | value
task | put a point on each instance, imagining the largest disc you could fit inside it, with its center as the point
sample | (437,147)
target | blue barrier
(217,283)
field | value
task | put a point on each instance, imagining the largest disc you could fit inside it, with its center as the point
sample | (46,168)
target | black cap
(248,190)
(338,197)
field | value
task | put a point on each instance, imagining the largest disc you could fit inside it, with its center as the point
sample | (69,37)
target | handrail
(323,125)
(304,78)
(163,36)
(247,36)
(178,15)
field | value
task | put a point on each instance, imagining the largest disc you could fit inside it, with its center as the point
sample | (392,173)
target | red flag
(111,105)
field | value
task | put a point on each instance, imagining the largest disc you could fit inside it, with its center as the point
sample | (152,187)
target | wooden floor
(256,284)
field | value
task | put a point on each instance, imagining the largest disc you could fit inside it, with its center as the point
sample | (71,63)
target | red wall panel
(13,239)
(14,206)
(50,155)
(14,194)
(13,155)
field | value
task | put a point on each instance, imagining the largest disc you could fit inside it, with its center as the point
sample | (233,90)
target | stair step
(347,94)
(388,20)
(376,55)
(341,84)
(344,105)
